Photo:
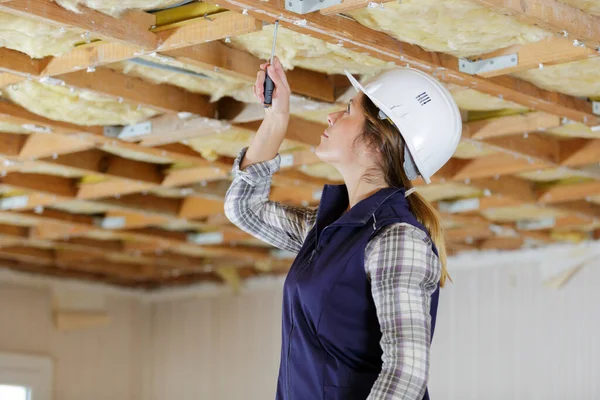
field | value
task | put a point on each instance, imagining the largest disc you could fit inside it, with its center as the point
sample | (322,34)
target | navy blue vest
(331,334)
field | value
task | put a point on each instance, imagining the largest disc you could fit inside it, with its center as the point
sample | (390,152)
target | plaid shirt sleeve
(404,273)
(248,207)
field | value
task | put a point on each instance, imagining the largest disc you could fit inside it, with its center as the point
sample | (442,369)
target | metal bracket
(487,65)
(129,131)
(308,6)
(596,107)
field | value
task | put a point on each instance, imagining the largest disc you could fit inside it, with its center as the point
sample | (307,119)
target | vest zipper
(289,352)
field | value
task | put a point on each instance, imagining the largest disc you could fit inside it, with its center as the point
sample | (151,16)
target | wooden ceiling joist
(92,55)
(549,51)
(242,65)
(134,90)
(352,35)
(133,28)
(552,15)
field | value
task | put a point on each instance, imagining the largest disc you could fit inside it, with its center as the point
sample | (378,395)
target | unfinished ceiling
(119,122)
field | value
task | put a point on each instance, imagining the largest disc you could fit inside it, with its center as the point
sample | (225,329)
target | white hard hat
(424,112)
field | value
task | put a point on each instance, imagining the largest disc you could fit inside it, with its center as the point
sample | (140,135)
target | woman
(361,297)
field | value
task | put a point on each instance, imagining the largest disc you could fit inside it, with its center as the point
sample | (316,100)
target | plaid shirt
(400,262)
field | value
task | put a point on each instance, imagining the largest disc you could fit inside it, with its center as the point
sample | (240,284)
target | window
(24,377)
(10,392)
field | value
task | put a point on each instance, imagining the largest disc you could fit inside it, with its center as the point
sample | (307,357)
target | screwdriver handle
(269,88)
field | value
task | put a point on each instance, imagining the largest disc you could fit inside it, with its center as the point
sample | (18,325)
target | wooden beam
(162,97)
(47,184)
(200,30)
(541,148)
(13,61)
(98,162)
(39,145)
(353,36)
(299,129)
(549,51)
(501,243)
(510,125)
(563,192)
(242,65)
(11,144)
(495,165)
(579,152)
(132,28)
(551,15)
(349,5)
(205,29)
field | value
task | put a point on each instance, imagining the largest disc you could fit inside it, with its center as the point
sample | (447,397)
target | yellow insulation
(296,50)
(524,212)
(36,39)
(459,27)
(116,7)
(81,207)
(473,100)
(436,192)
(216,85)
(577,78)
(13,128)
(229,143)
(322,170)
(550,175)
(80,107)
(469,150)
(574,130)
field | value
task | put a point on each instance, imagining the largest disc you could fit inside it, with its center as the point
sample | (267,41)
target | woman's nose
(331,118)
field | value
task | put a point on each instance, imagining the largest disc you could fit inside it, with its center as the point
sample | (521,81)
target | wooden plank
(13,61)
(242,65)
(135,220)
(353,36)
(495,165)
(501,243)
(198,207)
(562,192)
(510,125)
(98,162)
(549,51)
(541,148)
(214,27)
(349,5)
(468,234)
(40,145)
(551,15)
(137,91)
(15,114)
(112,187)
(8,79)
(299,129)
(200,30)
(579,152)
(187,176)
(11,144)
(508,186)
(47,184)
(130,28)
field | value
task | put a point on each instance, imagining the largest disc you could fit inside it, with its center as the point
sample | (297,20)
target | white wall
(500,335)
(217,348)
(102,363)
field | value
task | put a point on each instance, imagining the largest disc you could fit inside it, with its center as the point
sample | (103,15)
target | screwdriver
(269,85)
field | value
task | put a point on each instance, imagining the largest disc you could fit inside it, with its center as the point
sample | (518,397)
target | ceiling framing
(162,181)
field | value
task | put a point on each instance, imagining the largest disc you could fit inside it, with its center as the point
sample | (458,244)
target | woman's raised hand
(280,103)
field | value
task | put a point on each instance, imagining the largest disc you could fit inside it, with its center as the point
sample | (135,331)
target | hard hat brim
(390,114)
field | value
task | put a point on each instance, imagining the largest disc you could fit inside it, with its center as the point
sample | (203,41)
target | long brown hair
(383,135)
